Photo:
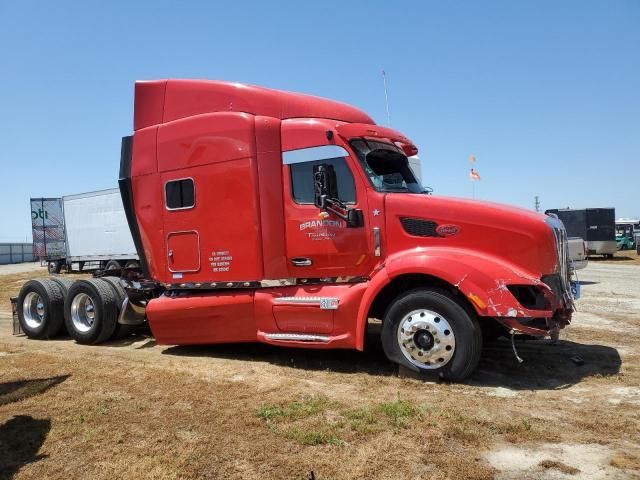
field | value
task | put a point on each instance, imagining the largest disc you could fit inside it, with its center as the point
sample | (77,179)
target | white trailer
(96,232)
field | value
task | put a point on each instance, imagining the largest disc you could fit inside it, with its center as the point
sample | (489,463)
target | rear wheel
(132,264)
(40,308)
(119,292)
(91,311)
(427,331)
(65,285)
(113,265)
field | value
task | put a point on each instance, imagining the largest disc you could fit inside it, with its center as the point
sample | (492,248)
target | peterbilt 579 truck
(267,216)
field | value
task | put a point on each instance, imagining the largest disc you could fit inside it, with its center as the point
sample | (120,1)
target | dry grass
(10,285)
(561,467)
(625,461)
(621,257)
(131,409)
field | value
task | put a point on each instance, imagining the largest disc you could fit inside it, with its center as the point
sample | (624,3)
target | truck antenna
(386,97)
(537,203)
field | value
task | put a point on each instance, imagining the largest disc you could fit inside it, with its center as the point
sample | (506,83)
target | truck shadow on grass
(19,390)
(20,440)
(547,366)
(22,436)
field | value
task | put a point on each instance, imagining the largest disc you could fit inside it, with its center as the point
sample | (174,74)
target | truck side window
(179,194)
(302,180)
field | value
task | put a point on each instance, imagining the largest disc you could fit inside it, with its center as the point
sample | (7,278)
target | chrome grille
(564,260)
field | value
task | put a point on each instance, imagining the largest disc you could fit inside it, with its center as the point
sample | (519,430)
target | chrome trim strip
(296,337)
(272,283)
(325,303)
(281,282)
(564,262)
(313,154)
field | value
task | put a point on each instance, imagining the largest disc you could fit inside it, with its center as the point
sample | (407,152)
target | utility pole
(537,203)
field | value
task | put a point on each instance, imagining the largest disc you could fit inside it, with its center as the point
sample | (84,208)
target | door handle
(301,262)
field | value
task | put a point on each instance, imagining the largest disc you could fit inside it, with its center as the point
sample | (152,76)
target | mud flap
(17,328)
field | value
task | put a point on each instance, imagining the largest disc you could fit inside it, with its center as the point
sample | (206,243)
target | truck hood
(519,237)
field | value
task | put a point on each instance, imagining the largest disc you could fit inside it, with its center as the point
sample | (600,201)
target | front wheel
(427,331)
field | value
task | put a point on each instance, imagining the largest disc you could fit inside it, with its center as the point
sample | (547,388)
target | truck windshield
(386,166)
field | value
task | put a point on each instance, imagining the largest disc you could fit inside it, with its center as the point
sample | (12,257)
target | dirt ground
(133,409)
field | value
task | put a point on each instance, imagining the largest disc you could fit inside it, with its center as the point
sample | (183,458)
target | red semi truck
(276,217)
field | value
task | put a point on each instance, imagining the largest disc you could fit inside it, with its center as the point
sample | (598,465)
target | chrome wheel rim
(426,339)
(83,312)
(33,310)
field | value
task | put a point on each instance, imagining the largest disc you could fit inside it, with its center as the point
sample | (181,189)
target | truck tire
(132,264)
(113,265)
(40,308)
(427,331)
(65,285)
(54,266)
(118,290)
(91,311)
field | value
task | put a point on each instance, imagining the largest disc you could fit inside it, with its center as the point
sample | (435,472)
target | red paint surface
(245,226)
(203,318)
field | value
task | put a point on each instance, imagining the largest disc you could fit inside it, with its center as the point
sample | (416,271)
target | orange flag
(472,158)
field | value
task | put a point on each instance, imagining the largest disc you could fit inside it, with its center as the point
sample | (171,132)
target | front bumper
(538,326)
(547,321)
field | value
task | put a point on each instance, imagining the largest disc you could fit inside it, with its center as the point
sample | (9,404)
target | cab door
(321,245)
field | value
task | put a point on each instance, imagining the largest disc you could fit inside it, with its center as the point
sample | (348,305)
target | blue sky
(546,94)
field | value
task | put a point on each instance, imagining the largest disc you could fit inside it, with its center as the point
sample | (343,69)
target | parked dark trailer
(597,226)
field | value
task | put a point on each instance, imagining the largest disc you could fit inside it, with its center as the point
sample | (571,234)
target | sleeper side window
(302,180)
(179,194)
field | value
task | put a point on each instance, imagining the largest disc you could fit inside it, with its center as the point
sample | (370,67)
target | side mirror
(325,196)
(325,185)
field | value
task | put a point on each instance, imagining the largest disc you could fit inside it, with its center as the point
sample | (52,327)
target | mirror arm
(330,207)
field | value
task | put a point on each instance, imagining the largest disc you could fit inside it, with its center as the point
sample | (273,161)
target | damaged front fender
(487,282)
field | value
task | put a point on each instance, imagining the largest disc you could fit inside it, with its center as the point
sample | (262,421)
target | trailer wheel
(132,264)
(40,308)
(113,265)
(427,331)
(54,266)
(118,290)
(91,311)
